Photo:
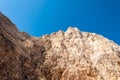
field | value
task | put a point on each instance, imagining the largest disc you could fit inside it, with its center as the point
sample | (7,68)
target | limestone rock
(70,55)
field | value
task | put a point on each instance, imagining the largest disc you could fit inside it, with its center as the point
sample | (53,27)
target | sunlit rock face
(69,55)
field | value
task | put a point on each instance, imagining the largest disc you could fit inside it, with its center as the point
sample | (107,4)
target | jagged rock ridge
(70,55)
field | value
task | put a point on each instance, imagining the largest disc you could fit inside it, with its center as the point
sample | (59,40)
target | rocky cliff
(70,55)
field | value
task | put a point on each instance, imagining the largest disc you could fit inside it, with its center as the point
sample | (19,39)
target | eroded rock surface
(70,55)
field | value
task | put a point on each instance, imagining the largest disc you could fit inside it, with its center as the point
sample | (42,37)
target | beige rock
(70,55)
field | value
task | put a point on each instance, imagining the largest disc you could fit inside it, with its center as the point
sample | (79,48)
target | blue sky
(39,17)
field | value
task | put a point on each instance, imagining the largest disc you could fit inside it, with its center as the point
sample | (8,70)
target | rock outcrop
(70,55)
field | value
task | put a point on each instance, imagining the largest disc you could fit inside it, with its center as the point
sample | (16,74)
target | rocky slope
(70,55)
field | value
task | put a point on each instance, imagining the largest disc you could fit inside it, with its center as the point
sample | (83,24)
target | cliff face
(70,55)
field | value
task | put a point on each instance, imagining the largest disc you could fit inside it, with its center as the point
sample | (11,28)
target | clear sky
(39,17)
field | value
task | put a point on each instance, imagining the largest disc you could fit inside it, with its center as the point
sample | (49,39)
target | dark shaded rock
(18,62)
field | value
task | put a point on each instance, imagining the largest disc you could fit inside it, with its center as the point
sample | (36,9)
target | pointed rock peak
(73,31)
(70,29)
(60,31)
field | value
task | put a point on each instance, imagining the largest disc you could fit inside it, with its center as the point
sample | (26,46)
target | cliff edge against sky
(70,55)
